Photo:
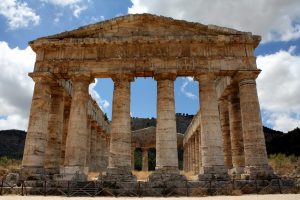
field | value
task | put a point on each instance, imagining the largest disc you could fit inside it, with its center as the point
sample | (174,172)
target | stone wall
(182,122)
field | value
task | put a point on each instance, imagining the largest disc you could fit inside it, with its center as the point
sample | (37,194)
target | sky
(278,55)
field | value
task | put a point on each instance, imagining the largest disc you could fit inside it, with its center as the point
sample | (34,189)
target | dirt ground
(244,197)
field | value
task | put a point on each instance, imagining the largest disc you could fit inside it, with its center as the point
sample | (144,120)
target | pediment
(146,25)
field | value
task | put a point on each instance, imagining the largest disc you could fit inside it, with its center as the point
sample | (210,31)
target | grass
(285,165)
(8,165)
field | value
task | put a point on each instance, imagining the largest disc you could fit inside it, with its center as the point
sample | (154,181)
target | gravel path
(244,197)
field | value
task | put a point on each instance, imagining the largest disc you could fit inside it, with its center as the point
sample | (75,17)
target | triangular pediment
(144,25)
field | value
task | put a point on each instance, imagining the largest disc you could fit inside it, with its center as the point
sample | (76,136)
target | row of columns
(231,136)
(120,159)
(61,138)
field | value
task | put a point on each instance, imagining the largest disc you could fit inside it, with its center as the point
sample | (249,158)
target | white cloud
(16,86)
(278,88)
(275,20)
(77,6)
(103,103)
(186,82)
(18,14)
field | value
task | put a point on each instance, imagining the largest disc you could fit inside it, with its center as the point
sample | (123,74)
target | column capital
(203,77)
(81,76)
(246,75)
(122,77)
(165,76)
(42,76)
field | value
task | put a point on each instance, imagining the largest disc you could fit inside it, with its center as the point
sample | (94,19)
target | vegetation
(9,165)
(285,165)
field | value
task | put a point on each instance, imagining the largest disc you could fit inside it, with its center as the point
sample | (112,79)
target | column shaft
(94,142)
(120,136)
(256,160)
(225,128)
(144,159)
(211,139)
(36,138)
(196,137)
(166,136)
(55,130)
(76,144)
(67,105)
(236,134)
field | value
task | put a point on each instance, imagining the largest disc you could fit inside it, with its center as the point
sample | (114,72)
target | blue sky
(278,55)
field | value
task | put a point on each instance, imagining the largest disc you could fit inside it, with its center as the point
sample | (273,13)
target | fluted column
(55,130)
(190,156)
(184,157)
(76,144)
(166,135)
(36,138)
(67,106)
(199,150)
(211,139)
(132,157)
(196,137)
(120,136)
(193,153)
(225,128)
(256,160)
(94,142)
(236,133)
(88,143)
(144,159)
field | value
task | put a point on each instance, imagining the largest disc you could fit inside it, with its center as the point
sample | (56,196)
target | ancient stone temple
(68,135)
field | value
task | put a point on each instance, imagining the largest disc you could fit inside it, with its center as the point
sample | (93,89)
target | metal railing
(141,189)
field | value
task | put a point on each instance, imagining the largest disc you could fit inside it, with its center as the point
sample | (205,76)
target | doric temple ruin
(69,136)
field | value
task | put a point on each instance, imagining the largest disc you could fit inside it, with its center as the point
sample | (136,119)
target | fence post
(45,188)
(187,188)
(1,189)
(279,185)
(68,192)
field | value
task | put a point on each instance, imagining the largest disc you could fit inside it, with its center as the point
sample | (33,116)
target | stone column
(144,159)
(67,106)
(36,138)
(185,158)
(236,134)
(199,150)
(88,143)
(196,152)
(189,156)
(166,135)
(211,139)
(225,128)
(76,144)
(132,157)
(193,153)
(94,165)
(256,160)
(120,131)
(55,130)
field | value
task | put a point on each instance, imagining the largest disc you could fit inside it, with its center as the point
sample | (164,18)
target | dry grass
(285,165)
(142,175)
(9,166)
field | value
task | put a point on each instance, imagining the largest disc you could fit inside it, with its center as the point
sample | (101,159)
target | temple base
(258,172)
(213,173)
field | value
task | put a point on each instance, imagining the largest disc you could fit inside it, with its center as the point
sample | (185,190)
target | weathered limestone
(211,142)
(121,49)
(144,159)
(166,136)
(55,130)
(225,128)
(94,142)
(36,139)
(236,133)
(120,135)
(76,144)
(67,107)
(256,160)
(197,145)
